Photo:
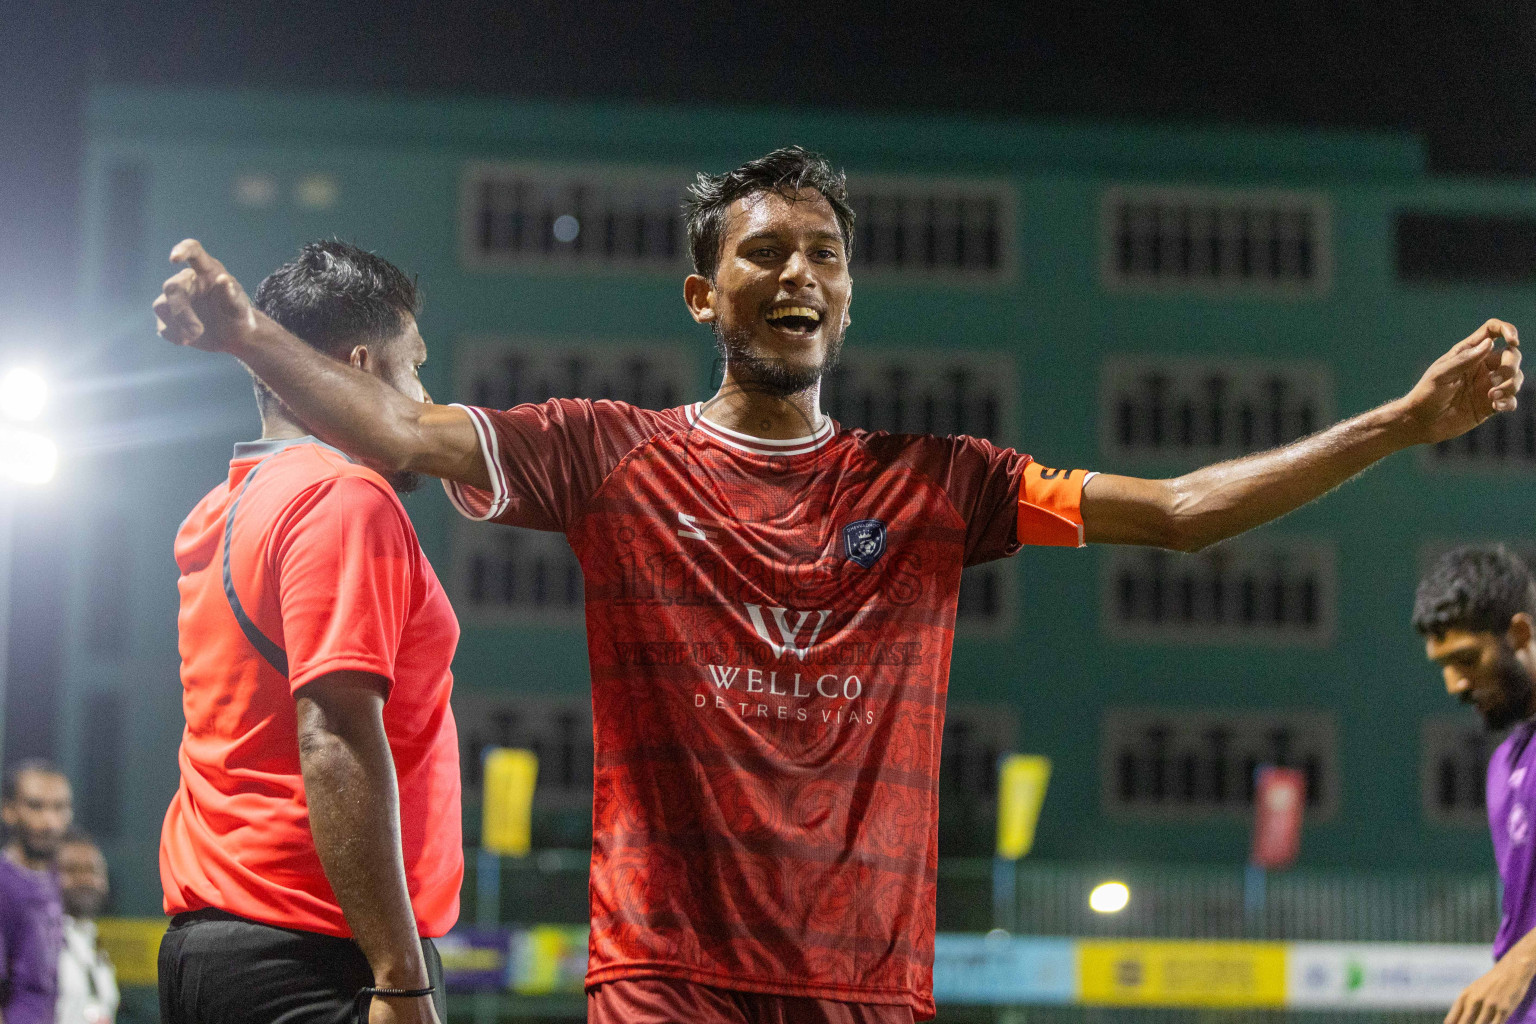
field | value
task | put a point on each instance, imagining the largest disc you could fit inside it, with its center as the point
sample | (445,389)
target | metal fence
(1167,901)
(1178,902)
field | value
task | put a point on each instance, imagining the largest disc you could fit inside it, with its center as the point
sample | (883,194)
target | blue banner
(1003,969)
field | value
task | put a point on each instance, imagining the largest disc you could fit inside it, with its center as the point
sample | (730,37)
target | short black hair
(1479,589)
(12,784)
(787,172)
(336,295)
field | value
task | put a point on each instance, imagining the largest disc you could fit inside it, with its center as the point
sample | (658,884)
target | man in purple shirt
(37,808)
(1476,609)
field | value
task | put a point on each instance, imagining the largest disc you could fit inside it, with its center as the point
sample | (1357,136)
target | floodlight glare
(27,457)
(1109,897)
(23,393)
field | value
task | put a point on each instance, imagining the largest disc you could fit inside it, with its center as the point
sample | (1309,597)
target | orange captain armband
(1051,506)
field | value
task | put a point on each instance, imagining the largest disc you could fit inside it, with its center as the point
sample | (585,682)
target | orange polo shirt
(326,564)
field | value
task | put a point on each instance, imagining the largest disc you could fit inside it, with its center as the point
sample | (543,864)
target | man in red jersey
(771,600)
(313,847)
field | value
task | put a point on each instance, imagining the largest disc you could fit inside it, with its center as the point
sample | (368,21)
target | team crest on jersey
(864,541)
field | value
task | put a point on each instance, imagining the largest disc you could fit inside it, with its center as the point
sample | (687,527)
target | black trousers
(216,968)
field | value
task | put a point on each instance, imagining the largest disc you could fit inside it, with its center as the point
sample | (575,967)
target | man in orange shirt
(314,846)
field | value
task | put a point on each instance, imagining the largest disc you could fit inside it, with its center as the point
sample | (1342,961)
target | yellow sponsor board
(1130,973)
(550,958)
(133,943)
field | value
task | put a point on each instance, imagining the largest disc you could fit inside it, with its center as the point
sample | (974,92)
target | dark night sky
(1460,74)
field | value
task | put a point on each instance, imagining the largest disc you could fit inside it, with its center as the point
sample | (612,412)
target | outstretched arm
(204,307)
(1471,382)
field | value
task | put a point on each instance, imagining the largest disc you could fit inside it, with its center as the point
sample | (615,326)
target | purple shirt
(31,935)
(1511,801)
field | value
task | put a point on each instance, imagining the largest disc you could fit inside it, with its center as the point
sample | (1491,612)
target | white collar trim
(761,445)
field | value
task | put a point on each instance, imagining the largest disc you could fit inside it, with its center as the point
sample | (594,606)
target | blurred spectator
(37,808)
(87,983)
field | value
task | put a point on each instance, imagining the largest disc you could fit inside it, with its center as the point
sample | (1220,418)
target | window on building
(923,227)
(1180,763)
(1453,769)
(615,217)
(976,736)
(1205,410)
(1216,240)
(1272,591)
(1465,249)
(593,218)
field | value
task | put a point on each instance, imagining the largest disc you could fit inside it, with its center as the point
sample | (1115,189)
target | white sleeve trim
(490,450)
(1082,533)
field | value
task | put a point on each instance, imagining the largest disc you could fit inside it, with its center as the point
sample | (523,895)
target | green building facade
(1130,299)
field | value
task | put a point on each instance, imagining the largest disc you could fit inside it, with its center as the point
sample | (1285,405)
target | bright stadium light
(23,393)
(1109,897)
(27,457)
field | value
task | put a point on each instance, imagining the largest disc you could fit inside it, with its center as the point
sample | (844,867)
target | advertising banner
(475,958)
(995,969)
(133,943)
(1138,973)
(999,970)
(1382,975)
(548,959)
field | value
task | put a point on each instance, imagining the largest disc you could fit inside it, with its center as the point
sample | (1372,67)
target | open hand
(203,306)
(1493,997)
(1471,382)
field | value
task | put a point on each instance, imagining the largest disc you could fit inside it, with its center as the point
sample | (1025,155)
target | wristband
(401,993)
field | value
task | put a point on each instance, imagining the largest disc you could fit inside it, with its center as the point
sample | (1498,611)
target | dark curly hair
(334,296)
(1479,589)
(787,172)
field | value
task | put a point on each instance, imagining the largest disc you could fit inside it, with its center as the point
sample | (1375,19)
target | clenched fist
(202,305)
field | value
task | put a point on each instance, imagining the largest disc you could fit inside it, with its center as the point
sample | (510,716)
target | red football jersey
(770,625)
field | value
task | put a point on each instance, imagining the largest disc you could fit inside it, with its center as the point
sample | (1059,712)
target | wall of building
(1060,333)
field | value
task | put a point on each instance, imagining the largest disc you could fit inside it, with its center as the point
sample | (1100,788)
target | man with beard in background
(1476,608)
(37,807)
(771,599)
(87,981)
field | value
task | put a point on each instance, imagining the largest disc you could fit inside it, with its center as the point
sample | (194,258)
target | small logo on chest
(864,541)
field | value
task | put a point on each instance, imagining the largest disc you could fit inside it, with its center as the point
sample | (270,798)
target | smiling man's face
(780,296)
